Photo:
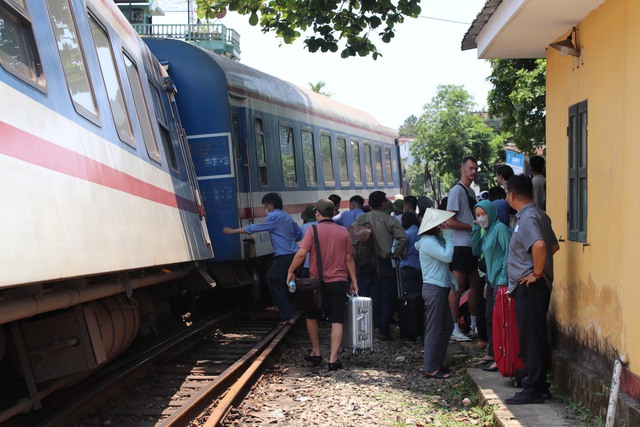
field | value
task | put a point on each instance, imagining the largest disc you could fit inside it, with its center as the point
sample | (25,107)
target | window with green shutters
(578,169)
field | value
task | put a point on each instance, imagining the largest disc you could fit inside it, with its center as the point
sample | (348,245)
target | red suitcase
(506,344)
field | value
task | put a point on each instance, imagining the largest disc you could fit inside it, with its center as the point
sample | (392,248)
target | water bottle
(292,286)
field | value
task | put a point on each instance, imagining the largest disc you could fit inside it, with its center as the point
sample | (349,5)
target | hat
(325,207)
(432,218)
(398,197)
(308,214)
(398,206)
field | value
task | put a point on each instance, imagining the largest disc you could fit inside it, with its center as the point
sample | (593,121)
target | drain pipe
(615,388)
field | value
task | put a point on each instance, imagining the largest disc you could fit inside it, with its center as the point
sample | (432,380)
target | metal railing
(191,32)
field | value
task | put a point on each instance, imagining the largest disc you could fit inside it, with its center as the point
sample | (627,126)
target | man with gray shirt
(461,200)
(530,269)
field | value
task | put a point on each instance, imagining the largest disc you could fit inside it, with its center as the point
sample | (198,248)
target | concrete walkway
(493,389)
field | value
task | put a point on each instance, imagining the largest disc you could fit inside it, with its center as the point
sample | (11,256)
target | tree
(449,130)
(317,88)
(518,98)
(408,129)
(348,22)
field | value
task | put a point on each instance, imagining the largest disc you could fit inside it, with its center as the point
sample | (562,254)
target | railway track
(196,377)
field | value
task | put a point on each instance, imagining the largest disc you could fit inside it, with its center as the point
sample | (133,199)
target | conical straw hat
(432,218)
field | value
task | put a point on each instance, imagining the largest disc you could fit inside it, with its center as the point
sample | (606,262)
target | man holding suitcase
(530,269)
(337,265)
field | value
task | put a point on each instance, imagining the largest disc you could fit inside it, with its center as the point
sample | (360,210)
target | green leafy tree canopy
(409,127)
(518,98)
(449,130)
(349,22)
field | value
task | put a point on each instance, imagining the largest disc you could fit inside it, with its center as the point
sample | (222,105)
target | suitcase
(506,343)
(358,324)
(410,312)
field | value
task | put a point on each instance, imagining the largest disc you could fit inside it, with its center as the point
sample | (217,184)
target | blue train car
(251,133)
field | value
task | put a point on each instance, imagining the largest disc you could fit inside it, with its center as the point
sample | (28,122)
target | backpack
(364,250)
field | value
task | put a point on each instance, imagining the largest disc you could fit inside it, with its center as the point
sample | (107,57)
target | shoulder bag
(309,291)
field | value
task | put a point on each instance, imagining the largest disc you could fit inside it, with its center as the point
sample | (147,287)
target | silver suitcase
(358,324)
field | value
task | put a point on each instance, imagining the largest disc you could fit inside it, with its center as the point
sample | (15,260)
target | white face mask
(483,221)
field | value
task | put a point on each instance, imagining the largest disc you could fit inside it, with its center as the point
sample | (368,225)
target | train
(122,158)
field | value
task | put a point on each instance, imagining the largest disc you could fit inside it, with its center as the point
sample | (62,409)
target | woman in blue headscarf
(490,237)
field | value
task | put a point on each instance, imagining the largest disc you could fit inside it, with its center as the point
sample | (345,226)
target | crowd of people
(470,245)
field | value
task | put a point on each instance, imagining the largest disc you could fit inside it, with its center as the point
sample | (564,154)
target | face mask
(483,221)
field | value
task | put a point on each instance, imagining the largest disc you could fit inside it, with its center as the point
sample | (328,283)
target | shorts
(463,259)
(335,298)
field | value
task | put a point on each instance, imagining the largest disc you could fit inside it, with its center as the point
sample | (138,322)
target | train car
(99,197)
(251,133)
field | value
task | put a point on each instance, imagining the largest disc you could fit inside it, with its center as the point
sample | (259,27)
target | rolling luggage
(410,312)
(358,324)
(506,343)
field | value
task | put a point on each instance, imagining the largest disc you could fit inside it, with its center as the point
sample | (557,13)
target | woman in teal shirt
(490,237)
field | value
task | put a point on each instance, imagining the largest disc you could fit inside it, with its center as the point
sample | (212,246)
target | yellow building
(593,190)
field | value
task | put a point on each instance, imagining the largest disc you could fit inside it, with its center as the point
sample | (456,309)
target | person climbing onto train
(284,232)
(337,267)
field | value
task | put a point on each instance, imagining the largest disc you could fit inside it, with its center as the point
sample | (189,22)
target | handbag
(309,292)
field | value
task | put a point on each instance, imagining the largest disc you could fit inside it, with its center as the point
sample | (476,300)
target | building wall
(596,298)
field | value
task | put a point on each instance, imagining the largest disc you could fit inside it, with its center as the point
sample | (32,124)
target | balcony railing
(214,37)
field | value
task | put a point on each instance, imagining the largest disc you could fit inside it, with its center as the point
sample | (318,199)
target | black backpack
(471,200)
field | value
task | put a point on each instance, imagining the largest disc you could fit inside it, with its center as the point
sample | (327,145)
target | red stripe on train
(29,148)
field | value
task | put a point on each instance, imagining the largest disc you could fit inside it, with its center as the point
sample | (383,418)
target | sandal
(438,375)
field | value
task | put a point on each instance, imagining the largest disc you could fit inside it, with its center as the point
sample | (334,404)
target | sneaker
(459,336)
(524,399)
(473,331)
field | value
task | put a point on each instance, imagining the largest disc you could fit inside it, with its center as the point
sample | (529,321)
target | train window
(261,152)
(342,161)
(327,159)
(112,83)
(288,156)
(387,159)
(141,108)
(368,164)
(309,159)
(73,62)
(379,165)
(18,50)
(355,154)
(161,116)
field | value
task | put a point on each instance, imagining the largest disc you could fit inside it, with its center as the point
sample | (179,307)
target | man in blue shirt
(346,218)
(284,232)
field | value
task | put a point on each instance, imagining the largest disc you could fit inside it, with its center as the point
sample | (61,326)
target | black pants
(532,304)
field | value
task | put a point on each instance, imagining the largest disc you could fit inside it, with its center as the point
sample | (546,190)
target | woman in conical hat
(436,252)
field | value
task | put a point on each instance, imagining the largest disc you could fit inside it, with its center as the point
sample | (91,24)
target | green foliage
(416,177)
(409,128)
(350,23)
(518,98)
(449,130)
(317,88)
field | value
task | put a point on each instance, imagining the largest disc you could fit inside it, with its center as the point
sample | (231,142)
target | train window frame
(122,108)
(92,116)
(289,173)
(343,162)
(141,107)
(260,140)
(379,166)
(327,161)
(163,125)
(357,167)
(368,164)
(388,165)
(29,69)
(309,157)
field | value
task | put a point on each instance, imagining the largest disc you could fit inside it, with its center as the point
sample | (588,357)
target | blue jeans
(379,283)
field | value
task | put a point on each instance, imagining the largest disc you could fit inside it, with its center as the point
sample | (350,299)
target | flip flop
(289,322)
(438,375)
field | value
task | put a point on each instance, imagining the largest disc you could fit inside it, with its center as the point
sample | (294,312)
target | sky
(424,53)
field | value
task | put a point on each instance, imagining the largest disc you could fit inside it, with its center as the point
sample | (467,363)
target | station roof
(523,28)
